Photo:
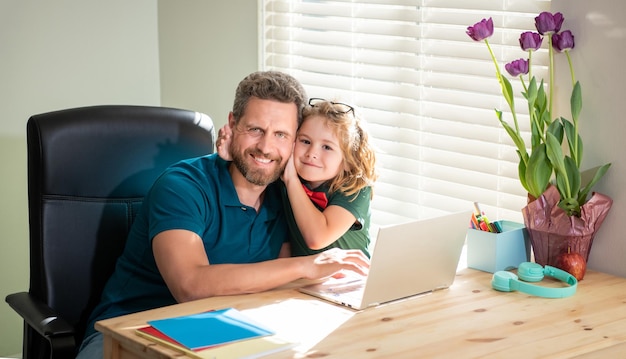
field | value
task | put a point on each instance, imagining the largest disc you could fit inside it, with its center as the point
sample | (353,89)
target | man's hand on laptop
(335,261)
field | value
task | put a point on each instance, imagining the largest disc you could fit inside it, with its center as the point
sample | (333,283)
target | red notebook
(153,332)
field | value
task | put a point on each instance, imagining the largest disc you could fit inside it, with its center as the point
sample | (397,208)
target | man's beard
(254,175)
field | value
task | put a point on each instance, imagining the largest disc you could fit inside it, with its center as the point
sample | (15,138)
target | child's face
(317,155)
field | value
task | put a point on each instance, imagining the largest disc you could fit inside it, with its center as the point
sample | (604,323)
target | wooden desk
(468,320)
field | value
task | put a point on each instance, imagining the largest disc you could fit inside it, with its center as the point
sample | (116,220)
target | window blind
(426,90)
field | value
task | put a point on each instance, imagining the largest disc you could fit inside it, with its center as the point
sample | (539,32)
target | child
(327,180)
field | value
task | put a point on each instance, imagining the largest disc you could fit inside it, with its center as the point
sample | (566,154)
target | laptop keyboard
(354,288)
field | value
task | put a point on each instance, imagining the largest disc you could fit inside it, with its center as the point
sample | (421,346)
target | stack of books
(225,333)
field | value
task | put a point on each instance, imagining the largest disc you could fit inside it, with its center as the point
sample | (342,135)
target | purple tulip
(481,30)
(530,41)
(547,22)
(517,67)
(563,41)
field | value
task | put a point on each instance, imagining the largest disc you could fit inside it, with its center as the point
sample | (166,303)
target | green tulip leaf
(507,91)
(573,175)
(531,94)
(575,147)
(517,139)
(555,154)
(576,102)
(561,183)
(538,171)
(571,206)
(545,118)
(521,173)
(542,101)
(535,134)
(556,128)
(569,128)
(582,196)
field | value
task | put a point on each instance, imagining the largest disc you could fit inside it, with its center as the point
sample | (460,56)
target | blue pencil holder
(492,252)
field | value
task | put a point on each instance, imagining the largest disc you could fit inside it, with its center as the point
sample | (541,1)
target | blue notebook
(210,328)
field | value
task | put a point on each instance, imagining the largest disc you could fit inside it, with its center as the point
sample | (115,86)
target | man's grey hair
(269,85)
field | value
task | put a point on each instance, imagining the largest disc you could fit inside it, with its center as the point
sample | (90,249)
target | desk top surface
(467,320)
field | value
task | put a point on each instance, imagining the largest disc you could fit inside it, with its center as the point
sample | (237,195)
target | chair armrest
(39,316)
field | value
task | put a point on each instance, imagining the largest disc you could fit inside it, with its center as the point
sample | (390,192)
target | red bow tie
(318,198)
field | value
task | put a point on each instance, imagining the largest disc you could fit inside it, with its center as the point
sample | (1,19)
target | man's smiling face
(263,140)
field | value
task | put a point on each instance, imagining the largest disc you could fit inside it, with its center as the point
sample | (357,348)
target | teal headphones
(532,272)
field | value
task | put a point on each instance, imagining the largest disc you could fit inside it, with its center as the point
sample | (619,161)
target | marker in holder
(492,252)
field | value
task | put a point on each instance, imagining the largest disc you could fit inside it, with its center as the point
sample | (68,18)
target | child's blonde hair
(359,158)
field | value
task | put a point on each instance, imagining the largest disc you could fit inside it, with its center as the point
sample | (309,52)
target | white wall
(67,53)
(599,29)
(206,48)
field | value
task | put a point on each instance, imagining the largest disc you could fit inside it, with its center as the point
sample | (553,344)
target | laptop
(408,259)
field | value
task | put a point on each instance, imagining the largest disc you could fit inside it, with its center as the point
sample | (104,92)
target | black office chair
(88,171)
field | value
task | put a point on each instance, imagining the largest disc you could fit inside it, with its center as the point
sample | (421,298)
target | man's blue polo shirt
(196,195)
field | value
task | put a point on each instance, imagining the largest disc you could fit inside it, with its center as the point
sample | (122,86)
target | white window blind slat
(490,6)
(426,89)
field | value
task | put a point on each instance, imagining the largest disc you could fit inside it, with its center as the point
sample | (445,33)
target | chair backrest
(88,171)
